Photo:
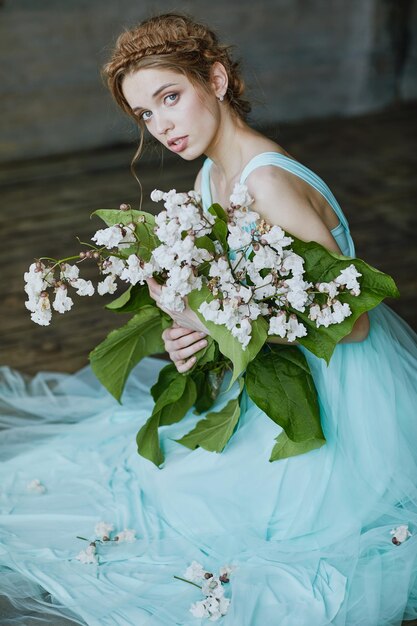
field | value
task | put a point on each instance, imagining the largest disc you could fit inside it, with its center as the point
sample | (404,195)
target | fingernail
(202,333)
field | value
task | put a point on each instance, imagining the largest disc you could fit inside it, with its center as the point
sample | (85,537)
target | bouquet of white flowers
(246,280)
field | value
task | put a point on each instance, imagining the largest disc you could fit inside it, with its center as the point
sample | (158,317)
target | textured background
(302,59)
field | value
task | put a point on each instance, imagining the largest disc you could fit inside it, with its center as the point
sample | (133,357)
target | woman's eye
(170,98)
(146,115)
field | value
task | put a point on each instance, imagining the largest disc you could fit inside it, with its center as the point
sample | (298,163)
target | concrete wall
(302,59)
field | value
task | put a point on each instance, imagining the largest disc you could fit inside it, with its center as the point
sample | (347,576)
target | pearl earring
(221,98)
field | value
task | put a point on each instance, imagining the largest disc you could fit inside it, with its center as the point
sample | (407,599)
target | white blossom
(278,324)
(169,299)
(276,238)
(83,287)
(266,257)
(297,295)
(103,529)
(401,533)
(136,271)
(292,263)
(41,311)
(213,587)
(164,256)
(325,317)
(195,195)
(240,196)
(340,311)
(36,486)
(295,328)
(332,288)
(157,195)
(88,556)
(129,236)
(199,609)
(348,277)
(242,332)
(62,302)
(314,312)
(128,535)
(244,217)
(168,230)
(108,285)
(221,268)
(69,272)
(238,237)
(113,265)
(194,572)
(108,237)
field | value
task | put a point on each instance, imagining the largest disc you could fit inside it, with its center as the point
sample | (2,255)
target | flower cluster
(215,604)
(400,534)
(262,275)
(41,277)
(102,532)
(178,227)
(251,270)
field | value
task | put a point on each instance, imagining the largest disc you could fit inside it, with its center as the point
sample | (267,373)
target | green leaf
(322,265)
(171,406)
(176,400)
(207,354)
(114,216)
(165,378)
(113,359)
(214,431)
(218,211)
(174,411)
(205,395)
(147,440)
(229,345)
(280,383)
(205,242)
(131,300)
(285,448)
(144,229)
(219,231)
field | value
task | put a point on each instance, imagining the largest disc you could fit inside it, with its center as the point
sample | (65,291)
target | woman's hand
(186,335)
(187,318)
(181,344)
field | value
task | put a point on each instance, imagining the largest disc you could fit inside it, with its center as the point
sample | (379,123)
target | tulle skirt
(309,537)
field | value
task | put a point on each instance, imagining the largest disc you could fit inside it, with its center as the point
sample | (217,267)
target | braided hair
(175,42)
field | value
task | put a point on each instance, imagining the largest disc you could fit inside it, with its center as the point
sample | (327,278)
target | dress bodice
(340,233)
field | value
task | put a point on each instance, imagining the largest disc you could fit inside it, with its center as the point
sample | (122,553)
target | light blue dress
(309,536)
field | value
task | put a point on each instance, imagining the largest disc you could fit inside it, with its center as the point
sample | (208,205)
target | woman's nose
(162,124)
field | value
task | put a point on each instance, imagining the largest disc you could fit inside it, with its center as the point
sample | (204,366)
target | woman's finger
(154,288)
(185,341)
(185,365)
(184,353)
(176,332)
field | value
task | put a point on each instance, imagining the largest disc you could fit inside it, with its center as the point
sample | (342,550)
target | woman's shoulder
(282,198)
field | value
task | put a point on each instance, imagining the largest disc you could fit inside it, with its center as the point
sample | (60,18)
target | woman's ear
(219,80)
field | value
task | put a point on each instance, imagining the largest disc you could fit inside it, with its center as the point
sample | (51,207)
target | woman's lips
(178,144)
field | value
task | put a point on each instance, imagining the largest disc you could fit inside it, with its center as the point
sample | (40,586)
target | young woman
(309,538)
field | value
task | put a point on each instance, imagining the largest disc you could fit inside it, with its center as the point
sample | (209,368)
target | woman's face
(183,118)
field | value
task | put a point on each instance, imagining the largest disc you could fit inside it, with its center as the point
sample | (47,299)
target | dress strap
(205,184)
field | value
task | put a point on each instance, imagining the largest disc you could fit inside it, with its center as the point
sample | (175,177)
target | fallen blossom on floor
(36,486)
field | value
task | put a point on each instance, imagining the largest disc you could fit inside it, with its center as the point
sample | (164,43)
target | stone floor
(369,162)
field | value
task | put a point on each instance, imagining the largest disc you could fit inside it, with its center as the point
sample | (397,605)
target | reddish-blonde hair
(176,42)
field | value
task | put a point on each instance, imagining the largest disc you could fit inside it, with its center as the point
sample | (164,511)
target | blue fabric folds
(309,536)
